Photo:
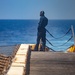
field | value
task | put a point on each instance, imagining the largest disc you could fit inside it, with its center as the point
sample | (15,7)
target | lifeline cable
(51,49)
(49,42)
(61,36)
(60,45)
(67,41)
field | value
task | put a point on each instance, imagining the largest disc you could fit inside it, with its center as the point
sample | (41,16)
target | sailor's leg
(38,41)
(43,42)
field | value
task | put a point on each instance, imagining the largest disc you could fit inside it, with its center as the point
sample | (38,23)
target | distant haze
(29,9)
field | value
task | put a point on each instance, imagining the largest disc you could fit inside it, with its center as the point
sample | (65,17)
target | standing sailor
(41,31)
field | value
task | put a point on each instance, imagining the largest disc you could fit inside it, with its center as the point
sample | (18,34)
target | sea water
(14,32)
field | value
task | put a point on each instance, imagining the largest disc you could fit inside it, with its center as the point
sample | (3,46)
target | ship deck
(52,63)
(23,61)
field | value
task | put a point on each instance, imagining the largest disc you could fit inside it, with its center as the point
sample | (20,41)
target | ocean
(13,32)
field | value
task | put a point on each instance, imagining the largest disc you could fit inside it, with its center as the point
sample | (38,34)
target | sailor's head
(42,13)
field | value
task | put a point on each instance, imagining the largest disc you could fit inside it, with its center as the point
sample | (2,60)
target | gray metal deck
(52,63)
(8,50)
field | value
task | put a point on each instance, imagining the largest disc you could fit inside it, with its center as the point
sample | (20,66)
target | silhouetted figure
(41,31)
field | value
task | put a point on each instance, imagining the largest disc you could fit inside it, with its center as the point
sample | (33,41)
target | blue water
(14,32)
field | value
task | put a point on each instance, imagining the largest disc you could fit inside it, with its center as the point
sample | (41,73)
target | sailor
(41,34)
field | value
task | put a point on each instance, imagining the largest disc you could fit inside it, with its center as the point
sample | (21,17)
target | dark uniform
(41,32)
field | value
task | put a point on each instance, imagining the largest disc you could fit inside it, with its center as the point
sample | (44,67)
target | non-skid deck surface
(52,63)
(8,50)
(6,55)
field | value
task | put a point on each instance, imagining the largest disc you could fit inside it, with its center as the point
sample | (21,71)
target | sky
(30,9)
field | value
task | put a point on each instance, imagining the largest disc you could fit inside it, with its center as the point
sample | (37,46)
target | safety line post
(73,33)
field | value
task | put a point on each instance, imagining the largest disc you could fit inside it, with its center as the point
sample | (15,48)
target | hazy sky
(29,9)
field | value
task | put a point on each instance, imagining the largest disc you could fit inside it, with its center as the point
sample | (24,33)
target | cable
(61,36)
(49,42)
(59,45)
